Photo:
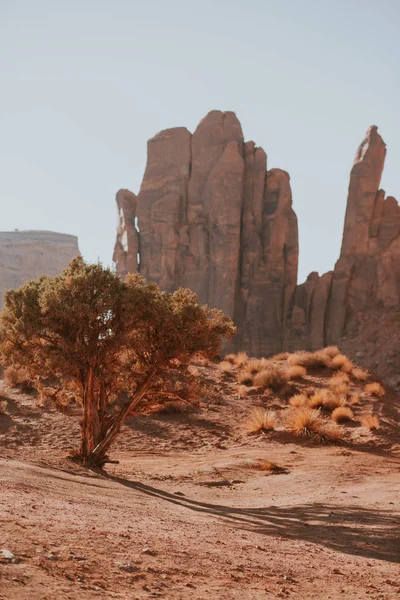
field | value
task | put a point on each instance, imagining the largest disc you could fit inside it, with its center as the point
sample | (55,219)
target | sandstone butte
(211,217)
(26,255)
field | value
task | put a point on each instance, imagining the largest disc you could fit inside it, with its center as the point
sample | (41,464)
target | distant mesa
(211,217)
(26,255)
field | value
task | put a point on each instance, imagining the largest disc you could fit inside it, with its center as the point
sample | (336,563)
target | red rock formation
(26,255)
(212,218)
(127,244)
(357,306)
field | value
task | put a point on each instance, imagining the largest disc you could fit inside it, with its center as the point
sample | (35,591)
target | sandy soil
(189,513)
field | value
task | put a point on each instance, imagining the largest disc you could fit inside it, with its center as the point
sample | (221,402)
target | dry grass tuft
(295,372)
(3,407)
(311,360)
(242,391)
(342,413)
(245,378)
(271,467)
(370,421)
(339,389)
(255,365)
(354,399)
(298,400)
(317,399)
(342,362)
(281,356)
(260,420)
(17,377)
(374,389)
(331,401)
(339,377)
(271,377)
(308,422)
(230,358)
(225,367)
(240,359)
(360,374)
(331,351)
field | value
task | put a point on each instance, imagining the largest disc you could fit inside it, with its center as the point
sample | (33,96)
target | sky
(85,83)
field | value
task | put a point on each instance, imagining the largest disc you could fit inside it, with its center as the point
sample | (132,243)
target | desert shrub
(260,420)
(374,389)
(230,357)
(360,374)
(281,356)
(3,407)
(340,361)
(295,372)
(307,421)
(342,413)
(18,377)
(244,378)
(298,400)
(370,421)
(106,339)
(271,377)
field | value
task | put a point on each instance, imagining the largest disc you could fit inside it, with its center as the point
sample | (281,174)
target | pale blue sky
(84,84)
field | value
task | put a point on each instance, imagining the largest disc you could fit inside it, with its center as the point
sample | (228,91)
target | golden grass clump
(331,401)
(370,421)
(3,407)
(245,378)
(230,358)
(240,359)
(260,420)
(267,465)
(271,377)
(255,365)
(298,400)
(300,357)
(341,414)
(281,356)
(17,377)
(374,389)
(342,362)
(331,351)
(317,359)
(308,422)
(339,377)
(354,400)
(295,372)
(242,391)
(225,367)
(317,399)
(360,374)
(339,389)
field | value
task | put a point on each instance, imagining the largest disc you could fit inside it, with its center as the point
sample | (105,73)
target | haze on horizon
(85,85)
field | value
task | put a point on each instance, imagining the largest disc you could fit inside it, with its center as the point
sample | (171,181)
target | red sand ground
(188,513)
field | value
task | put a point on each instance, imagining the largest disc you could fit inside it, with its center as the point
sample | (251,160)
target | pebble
(9,556)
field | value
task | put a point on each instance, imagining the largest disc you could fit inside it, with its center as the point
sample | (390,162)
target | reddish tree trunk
(91,425)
